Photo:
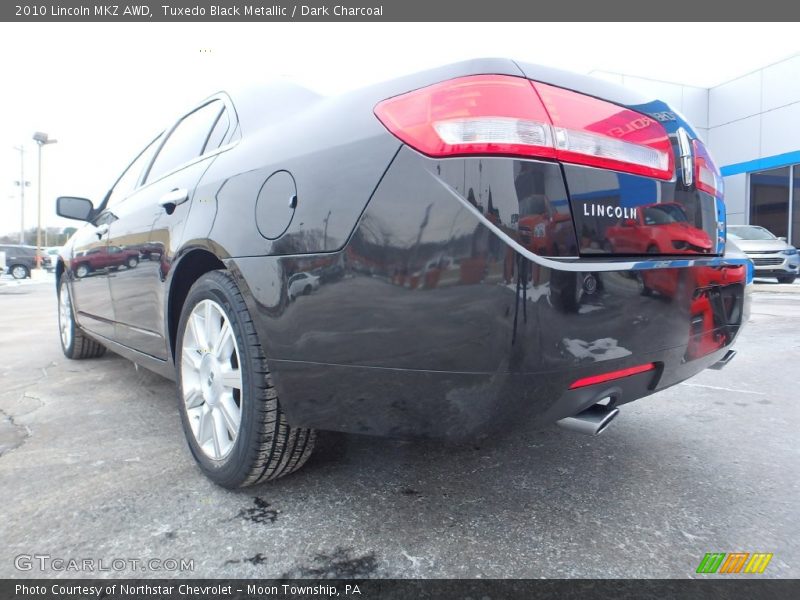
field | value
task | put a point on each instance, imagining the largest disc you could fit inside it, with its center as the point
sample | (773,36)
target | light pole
(42,139)
(22,185)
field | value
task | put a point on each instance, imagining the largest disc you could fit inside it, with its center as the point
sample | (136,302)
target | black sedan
(482,241)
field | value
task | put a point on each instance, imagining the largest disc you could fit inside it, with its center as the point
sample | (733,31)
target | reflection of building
(752,127)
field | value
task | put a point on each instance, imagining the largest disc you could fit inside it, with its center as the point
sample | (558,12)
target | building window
(795,229)
(774,197)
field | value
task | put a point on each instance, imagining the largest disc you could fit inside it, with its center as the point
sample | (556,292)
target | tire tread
(82,345)
(279,449)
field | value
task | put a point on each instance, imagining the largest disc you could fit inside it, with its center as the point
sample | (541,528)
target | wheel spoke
(193,398)
(210,329)
(232,378)
(204,427)
(223,346)
(194,328)
(191,359)
(231,414)
(218,433)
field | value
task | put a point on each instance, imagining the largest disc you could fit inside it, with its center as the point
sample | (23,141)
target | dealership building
(751,125)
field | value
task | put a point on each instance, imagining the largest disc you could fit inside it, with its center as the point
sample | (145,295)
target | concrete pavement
(93,465)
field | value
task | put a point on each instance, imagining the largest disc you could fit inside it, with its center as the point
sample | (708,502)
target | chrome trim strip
(687,164)
(580,265)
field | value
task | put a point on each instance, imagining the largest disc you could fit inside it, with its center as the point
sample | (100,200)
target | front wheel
(231,415)
(132,262)
(20,272)
(787,278)
(82,271)
(74,343)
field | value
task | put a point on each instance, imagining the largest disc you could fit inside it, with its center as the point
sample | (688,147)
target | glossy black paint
(429,324)
(452,294)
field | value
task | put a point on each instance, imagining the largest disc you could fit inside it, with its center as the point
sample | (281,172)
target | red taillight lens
(482,114)
(706,174)
(500,114)
(592,132)
(603,377)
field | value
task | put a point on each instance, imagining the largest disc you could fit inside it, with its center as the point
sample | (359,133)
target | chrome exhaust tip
(722,362)
(592,421)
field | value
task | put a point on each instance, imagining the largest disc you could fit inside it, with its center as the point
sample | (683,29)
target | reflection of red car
(711,309)
(103,257)
(543,229)
(661,228)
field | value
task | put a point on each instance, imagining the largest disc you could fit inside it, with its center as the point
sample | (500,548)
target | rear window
(187,140)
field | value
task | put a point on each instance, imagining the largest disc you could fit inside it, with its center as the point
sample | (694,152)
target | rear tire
(787,278)
(566,290)
(20,272)
(230,410)
(132,262)
(82,271)
(74,342)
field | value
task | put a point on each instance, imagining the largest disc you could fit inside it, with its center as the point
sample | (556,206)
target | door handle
(173,198)
(102,230)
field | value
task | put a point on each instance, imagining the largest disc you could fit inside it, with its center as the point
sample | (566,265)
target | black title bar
(397,10)
(732,588)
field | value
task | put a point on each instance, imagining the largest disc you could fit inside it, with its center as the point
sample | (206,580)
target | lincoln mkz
(441,255)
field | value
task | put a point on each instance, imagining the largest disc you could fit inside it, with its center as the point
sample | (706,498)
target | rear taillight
(482,114)
(706,174)
(500,114)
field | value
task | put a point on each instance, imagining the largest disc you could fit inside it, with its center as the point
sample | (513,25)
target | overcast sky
(103,90)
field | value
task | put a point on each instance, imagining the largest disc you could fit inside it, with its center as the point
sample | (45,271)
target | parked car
(772,256)
(662,228)
(52,252)
(100,258)
(248,192)
(21,260)
(302,284)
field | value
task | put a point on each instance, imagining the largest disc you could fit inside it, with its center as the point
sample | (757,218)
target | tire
(82,271)
(265,446)
(19,271)
(307,290)
(132,262)
(643,289)
(566,290)
(787,278)
(74,342)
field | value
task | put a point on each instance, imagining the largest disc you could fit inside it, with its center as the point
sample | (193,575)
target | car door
(93,260)
(91,295)
(149,220)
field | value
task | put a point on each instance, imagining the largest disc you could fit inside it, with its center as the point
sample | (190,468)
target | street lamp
(42,139)
(22,185)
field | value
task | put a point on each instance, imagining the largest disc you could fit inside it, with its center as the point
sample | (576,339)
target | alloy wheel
(65,316)
(211,379)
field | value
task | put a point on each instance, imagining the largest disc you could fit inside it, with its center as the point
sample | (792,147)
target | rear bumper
(434,320)
(456,406)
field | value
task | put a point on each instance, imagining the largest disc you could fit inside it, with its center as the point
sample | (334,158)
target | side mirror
(783,239)
(70,207)
(629,223)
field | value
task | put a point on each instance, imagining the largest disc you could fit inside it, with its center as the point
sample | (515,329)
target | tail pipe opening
(592,421)
(722,362)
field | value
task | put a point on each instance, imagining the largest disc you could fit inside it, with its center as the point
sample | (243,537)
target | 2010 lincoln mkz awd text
(440,255)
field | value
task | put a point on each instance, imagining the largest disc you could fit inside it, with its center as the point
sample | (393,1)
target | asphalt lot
(93,464)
